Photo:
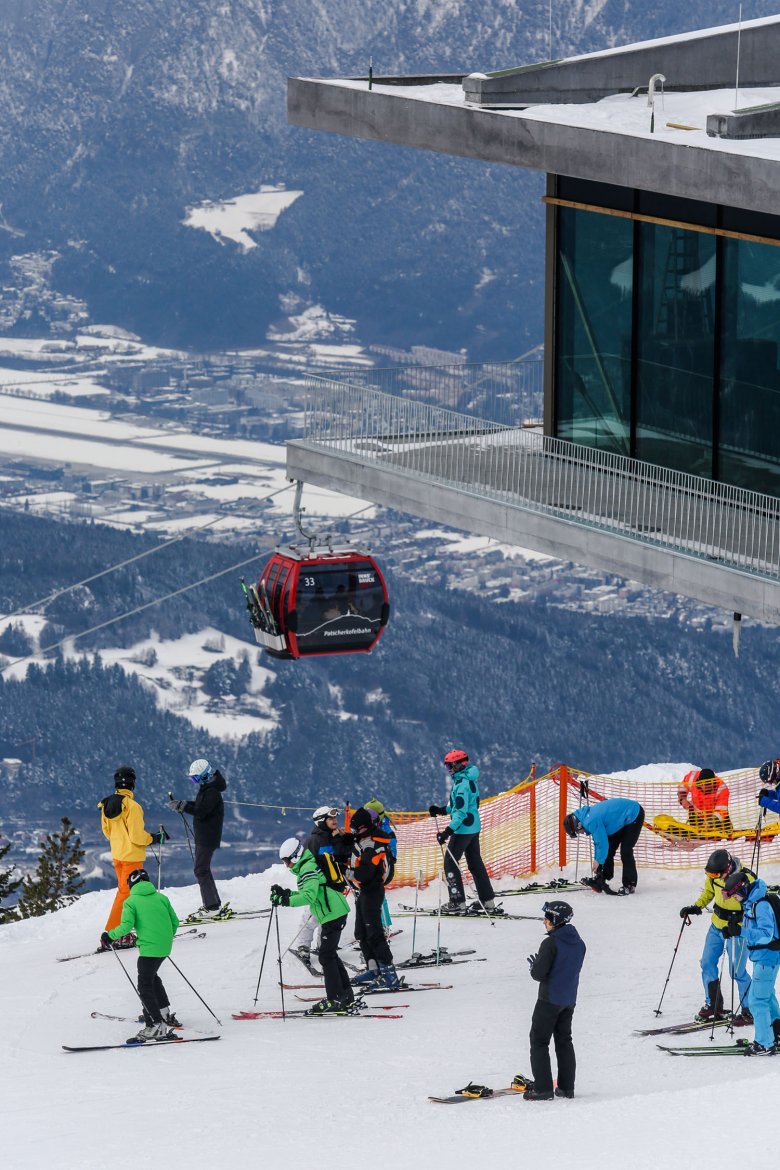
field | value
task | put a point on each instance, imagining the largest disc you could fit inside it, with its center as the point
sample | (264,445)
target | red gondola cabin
(328,603)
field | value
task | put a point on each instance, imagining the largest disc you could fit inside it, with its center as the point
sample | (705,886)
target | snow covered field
(324,1092)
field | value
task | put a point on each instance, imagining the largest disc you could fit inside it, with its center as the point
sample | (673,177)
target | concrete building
(659,458)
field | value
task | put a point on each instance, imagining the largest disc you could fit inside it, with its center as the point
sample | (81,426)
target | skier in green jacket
(154,920)
(330,908)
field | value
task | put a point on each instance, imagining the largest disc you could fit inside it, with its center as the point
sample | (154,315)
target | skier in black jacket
(208,813)
(557,969)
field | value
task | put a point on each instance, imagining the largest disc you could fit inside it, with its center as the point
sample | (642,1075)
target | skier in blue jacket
(461,837)
(760,934)
(611,823)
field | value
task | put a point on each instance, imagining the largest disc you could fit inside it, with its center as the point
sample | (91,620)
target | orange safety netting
(522,828)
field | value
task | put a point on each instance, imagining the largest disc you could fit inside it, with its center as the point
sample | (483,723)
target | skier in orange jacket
(705,797)
(122,822)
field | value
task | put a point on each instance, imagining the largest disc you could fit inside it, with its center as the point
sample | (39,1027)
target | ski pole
(438,931)
(416,894)
(159,859)
(279,961)
(200,997)
(686,922)
(718,995)
(265,948)
(583,796)
(756,855)
(186,829)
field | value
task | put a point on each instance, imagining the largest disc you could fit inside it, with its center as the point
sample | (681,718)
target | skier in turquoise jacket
(760,934)
(461,837)
(611,823)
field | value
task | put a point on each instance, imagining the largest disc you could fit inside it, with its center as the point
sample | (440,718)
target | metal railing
(669,509)
(510,393)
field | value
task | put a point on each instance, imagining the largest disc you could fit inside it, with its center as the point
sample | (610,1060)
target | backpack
(774,902)
(335,878)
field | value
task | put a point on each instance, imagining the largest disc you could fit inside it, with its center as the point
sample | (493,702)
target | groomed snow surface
(326,1092)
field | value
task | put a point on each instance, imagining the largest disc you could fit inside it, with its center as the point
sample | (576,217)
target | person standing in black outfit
(557,969)
(368,871)
(208,814)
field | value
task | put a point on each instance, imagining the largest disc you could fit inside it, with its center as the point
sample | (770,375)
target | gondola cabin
(329,603)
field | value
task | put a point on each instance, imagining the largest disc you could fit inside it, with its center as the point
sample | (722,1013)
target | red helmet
(456,759)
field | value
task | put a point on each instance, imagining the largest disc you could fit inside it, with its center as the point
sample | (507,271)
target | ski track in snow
(271,1089)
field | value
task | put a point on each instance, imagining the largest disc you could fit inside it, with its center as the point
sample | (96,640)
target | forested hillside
(514,683)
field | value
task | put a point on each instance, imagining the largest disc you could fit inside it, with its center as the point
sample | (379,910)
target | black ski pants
(151,990)
(337,983)
(550,1021)
(626,838)
(208,889)
(466,845)
(369,929)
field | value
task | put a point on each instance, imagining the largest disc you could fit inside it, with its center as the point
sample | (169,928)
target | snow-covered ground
(274,1093)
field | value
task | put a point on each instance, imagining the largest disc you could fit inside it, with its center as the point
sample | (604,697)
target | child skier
(762,938)
(154,920)
(368,872)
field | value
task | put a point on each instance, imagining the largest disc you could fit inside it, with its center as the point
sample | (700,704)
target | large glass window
(749,448)
(675,348)
(593,333)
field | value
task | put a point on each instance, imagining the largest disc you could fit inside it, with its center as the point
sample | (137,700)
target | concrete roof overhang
(434,114)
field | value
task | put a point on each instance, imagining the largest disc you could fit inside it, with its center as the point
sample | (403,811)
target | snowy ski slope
(322,1092)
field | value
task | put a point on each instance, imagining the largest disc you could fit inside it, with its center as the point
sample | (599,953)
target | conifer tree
(57,880)
(8,886)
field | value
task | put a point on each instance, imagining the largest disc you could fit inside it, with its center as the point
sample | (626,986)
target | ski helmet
(737,886)
(769,773)
(200,771)
(290,850)
(456,759)
(571,825)
(124,777)
(138,875)
(559,913)
(376,806)
(321,814)
(721,864)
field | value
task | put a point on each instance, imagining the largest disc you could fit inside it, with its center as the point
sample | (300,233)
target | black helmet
(737,885)
(559,913)
(571,825)
(362,822)
(720,864)
(138,875)
(124,777)
(769,773)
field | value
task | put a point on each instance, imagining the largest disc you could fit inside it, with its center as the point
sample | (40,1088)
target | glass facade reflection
(667,339)
(593,349)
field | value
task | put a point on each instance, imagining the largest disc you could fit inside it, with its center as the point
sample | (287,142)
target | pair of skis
(738,1049)
(685,1028)
(468,915)
(307,1014)
(197,1038)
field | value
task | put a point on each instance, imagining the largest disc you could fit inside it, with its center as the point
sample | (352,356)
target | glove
(106,939)
(444,835)
(436,811)
(687,911)
(531,959)
(765,792)
(161,835)
(732,929)
(177,805)
(279,896)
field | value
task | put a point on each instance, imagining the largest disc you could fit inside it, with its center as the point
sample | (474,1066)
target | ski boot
(568,1093)
(169,1018)
(626,890)
(370,975)
(533,1094)
(221,914)
(453,907)
(325,1007)
(744,1018)
(388,977)
(706,1013)
(152,1032)
(493,909)
(756,1049)
(198,915)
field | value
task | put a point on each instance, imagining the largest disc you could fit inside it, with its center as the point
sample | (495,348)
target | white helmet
(200,771)
(291,849)
(325,810)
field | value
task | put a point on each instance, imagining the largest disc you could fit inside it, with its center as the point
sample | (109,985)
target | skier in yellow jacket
(122,822)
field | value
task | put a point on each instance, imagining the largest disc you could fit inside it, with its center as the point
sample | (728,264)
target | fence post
(563,781)
(532,817)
